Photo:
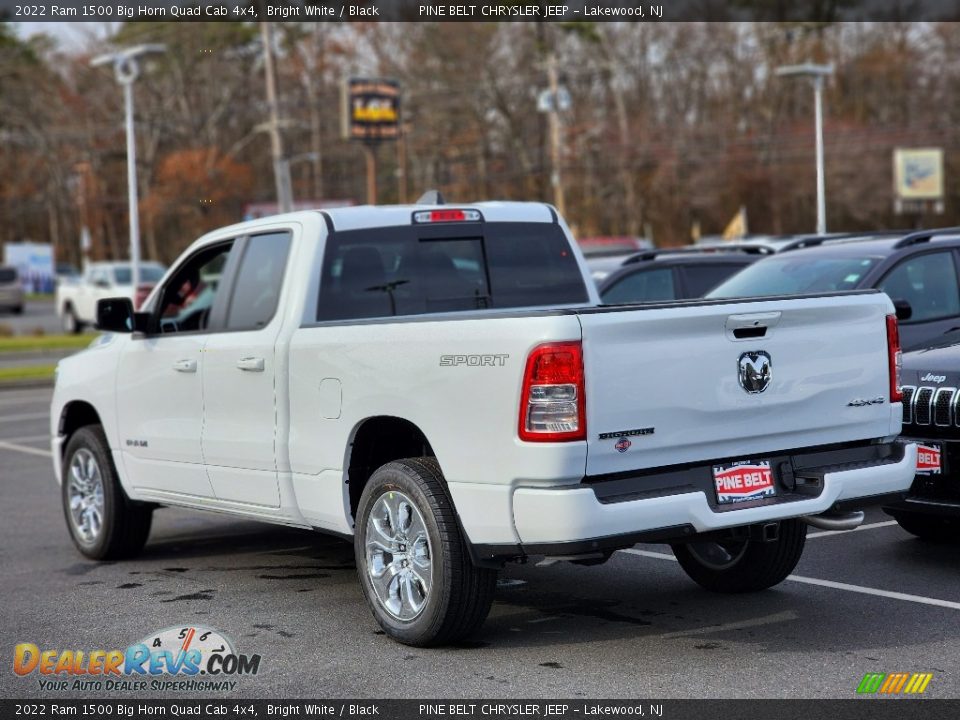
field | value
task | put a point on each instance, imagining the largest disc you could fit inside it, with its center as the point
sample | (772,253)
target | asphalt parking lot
(872,600)
(37,315)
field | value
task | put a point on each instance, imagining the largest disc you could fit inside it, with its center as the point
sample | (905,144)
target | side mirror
(904,311)
(115,315)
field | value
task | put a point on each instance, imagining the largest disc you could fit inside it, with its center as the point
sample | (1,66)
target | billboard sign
(918,173)
(34,261)
(371,109)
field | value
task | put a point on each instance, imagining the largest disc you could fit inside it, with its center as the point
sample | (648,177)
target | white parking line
(831,584)
(26,438)
(25,416)
(873,591)
(868,526)
(784,616)
(24,449)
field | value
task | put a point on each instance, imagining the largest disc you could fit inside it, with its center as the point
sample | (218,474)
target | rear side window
(929,283)
(414,270)
(650,285)
(257,289)
(8,275)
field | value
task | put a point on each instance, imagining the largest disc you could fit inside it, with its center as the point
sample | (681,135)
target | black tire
(18,310)
(930,527)
(125,524)
(460,594)
(71,324)
(753,565)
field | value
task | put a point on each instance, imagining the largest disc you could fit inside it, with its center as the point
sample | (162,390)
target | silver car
(11,290)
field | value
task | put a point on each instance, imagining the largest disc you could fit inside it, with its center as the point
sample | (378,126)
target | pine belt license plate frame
(744,481)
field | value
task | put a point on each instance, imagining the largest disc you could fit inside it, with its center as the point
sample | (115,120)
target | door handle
(185,366)
(251,364)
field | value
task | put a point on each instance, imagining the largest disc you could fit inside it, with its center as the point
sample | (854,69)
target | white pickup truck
(441,385)
(76,301)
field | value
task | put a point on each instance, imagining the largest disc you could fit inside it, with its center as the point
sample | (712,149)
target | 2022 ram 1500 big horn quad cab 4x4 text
(442,385)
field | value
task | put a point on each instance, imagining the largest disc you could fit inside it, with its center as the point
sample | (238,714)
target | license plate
(929,459)
(744,480)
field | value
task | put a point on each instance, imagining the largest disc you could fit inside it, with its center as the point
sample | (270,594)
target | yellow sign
(918,173)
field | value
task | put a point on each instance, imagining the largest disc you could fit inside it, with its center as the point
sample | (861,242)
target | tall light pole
(816,74)
(126,69)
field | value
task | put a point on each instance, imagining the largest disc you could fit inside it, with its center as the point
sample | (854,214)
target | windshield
(794,274)
(148,274)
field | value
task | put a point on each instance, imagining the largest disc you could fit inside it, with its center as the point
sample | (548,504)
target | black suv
(676,273)
(931,418)
(920,272)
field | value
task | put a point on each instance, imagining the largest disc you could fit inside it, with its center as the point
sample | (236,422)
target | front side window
(929,283)
(188,297)
(259,280)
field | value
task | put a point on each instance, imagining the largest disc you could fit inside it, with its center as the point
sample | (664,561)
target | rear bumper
(584,518)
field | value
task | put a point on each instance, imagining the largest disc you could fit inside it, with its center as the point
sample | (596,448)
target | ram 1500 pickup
(441,385)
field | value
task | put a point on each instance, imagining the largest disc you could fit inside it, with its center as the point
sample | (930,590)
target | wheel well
(378,441)
(75,415)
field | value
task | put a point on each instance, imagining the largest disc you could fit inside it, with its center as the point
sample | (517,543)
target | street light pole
(126,69)
(816,74)
(818,121)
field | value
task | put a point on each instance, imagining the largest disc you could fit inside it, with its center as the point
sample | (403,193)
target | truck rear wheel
(412,559)
(71,324)
(103,522)
(738,566)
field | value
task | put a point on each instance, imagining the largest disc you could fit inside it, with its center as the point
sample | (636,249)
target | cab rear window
(414,270)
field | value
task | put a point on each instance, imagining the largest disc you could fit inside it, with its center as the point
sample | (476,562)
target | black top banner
(811,11)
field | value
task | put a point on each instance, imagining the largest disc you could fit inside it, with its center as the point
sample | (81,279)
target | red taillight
(894,358)
(552,403)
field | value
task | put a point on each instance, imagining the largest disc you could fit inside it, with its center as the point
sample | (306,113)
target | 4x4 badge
(754,371)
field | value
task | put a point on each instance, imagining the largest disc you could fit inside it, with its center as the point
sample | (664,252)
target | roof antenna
(431,197)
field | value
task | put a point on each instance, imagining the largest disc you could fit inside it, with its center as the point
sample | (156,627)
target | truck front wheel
(737,566)
(412,559)
(103,522)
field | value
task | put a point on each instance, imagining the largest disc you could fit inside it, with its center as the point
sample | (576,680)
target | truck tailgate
(663,384)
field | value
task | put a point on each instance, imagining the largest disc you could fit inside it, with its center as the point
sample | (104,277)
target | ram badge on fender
(442,385)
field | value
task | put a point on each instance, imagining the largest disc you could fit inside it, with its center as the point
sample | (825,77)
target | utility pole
(370,151)
(555,140)
(281,171)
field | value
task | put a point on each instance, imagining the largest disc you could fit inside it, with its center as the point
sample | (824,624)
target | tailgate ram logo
(754,371)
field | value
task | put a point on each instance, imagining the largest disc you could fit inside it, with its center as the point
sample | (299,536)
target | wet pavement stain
(708,646)
(554,665)
(285,634)
(296,576)
(202,595)
(127,586)
(90,582)
(177,570)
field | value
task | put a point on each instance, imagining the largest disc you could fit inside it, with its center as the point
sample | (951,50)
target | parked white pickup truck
(76,302)
(441,385)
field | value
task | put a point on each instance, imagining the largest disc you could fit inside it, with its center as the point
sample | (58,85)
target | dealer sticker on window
(928,460)
(743,480)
